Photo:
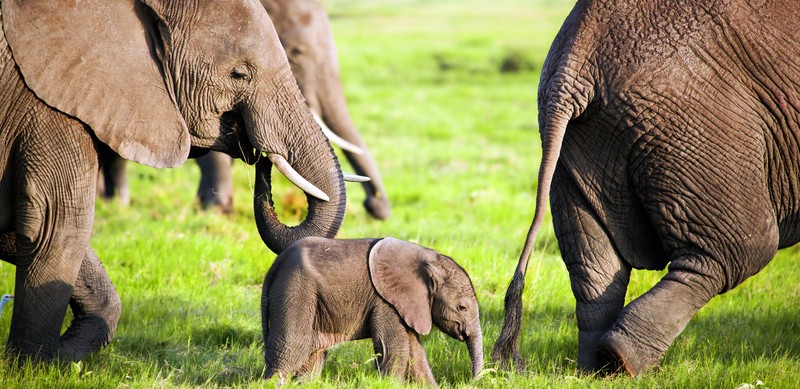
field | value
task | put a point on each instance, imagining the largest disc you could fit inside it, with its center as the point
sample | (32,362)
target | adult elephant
(305,33)
(150,79)
(670,138)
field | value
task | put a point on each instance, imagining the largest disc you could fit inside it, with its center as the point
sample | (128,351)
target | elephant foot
(211,200)
(84,336)
(19,354)
(96,309)
(378,207)
(617,352)
(589,362)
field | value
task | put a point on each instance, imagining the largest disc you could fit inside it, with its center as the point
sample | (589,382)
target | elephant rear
(669,135)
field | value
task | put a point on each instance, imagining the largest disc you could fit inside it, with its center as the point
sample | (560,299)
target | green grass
(432,87)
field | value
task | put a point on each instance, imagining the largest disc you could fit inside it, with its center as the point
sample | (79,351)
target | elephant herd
(670,137)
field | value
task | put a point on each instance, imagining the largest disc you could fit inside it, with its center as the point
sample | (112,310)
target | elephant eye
(241,72)
(462,308)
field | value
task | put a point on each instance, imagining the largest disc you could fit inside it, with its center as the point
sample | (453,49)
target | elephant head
(305,33)
(426,287)
(153,78)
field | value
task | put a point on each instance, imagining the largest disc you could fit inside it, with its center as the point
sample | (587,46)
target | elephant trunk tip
(475,348)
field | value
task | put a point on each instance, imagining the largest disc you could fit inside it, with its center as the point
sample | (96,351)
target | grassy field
(444,92)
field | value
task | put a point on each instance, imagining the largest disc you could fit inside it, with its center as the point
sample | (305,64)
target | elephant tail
(555,126)
(552,139)
(568,84)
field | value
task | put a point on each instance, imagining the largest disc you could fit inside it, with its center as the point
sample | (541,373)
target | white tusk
(283,166)
(355,178)
(336,139)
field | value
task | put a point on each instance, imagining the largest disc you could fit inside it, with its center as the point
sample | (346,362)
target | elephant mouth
(462,335)
(241,148)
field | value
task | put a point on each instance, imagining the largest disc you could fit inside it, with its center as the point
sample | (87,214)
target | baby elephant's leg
(392,357)
(313,366)
(420,369)
(286,359)
(390,338)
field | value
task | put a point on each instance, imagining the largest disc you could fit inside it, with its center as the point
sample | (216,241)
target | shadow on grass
(741,335)
(189,344)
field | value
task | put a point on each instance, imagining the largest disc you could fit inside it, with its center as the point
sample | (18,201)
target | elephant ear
(398,272)
(91,59)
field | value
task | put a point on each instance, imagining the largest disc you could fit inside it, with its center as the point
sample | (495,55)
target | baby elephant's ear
(398,272)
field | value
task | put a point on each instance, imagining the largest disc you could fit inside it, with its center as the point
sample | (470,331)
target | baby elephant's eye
(462,308)
(296,51)
(241,72)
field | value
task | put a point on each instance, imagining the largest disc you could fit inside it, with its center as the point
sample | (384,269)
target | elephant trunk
(475,347)
(333,109)
(302,149)
(324,217)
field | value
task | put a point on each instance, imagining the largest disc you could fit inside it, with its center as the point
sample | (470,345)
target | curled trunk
(320,167)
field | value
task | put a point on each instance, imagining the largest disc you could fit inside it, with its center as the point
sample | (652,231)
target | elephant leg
(292,339)
(598,277)
(56,172)
(96,309)
(313,366)
(717,235)
(113,178)
(376,201)
(647,326)
(216,181)
(288,354)
(8,247)
(390,340)
(95,305)
(420,369)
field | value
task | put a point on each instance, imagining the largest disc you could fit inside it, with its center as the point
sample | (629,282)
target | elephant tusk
(355,178)
(292,175)
(336,139)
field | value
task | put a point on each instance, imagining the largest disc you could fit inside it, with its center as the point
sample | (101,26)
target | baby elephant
(320,292)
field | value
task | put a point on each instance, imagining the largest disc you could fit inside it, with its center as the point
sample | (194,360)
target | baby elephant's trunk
(475,347)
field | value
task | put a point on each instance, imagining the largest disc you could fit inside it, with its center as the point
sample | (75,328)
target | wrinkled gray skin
(670,139)
(123,75)
(305,33)
(320,292)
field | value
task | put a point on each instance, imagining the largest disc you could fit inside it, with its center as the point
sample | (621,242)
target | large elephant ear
(91,59)
(398,272)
